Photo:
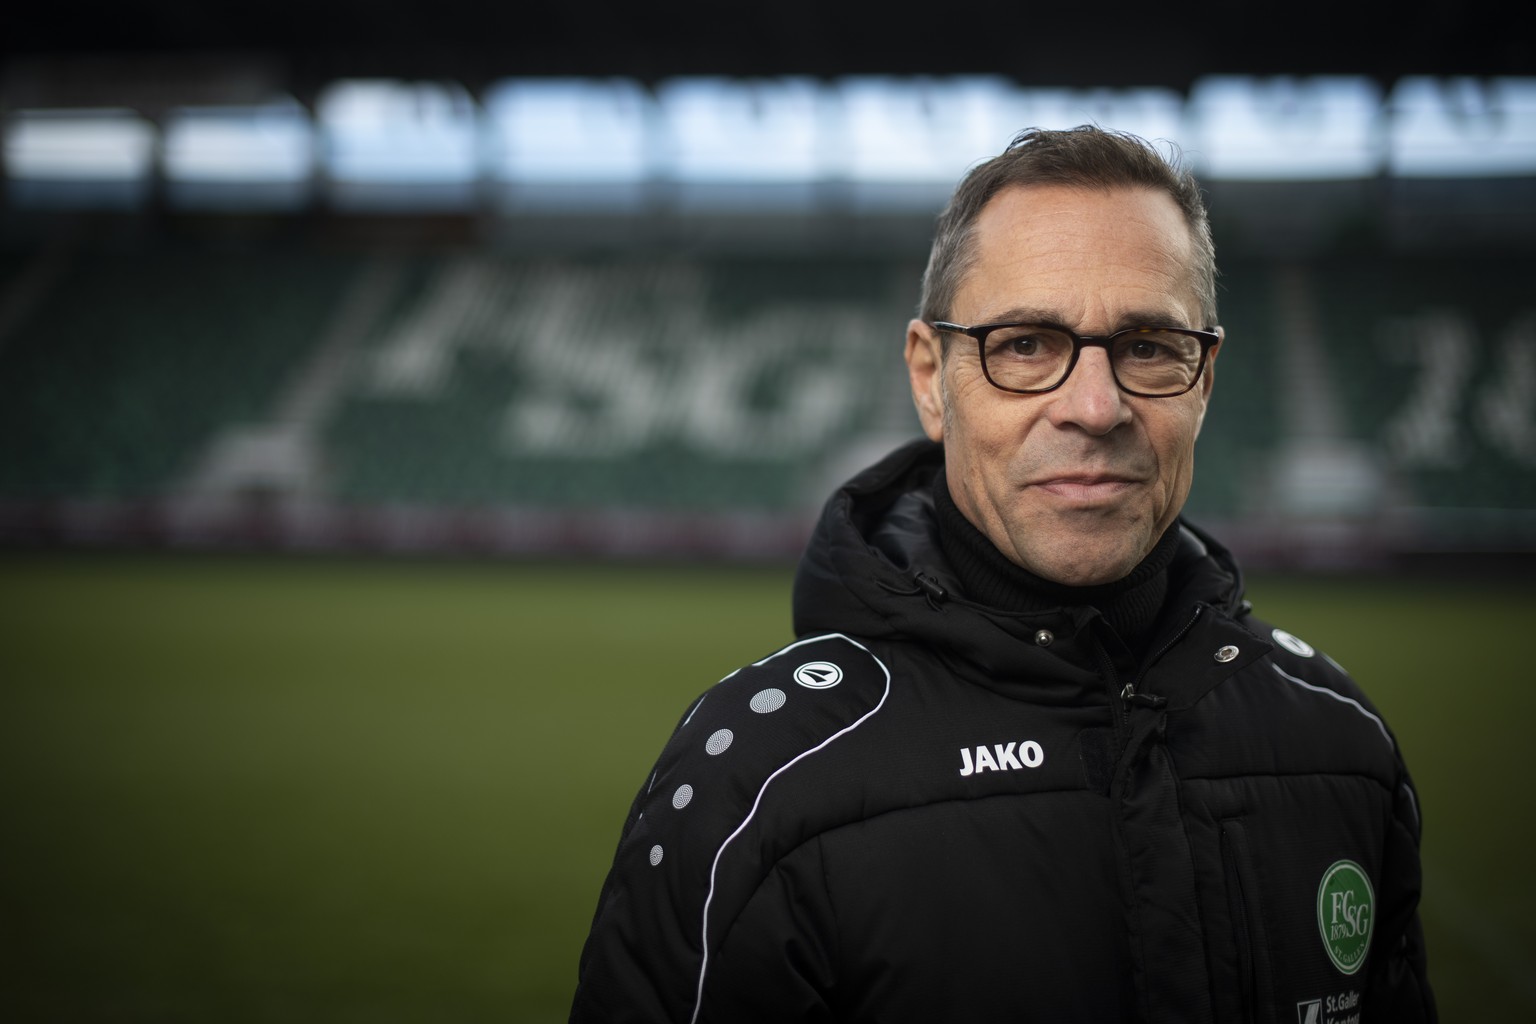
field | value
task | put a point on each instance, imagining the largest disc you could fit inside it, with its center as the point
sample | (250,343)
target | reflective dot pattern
(682,796)
(719,742)
(768,700)
(655,855)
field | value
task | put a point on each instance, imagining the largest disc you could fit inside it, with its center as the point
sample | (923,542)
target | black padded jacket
(930,810)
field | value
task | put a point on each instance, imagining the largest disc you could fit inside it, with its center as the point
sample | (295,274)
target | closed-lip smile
(1086,487)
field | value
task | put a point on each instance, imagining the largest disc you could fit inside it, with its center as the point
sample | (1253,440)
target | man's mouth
(1087,488)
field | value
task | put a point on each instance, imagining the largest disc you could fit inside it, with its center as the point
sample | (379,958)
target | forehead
(1081,254)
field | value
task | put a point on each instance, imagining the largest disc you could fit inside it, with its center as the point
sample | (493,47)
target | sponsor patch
(1343,1008)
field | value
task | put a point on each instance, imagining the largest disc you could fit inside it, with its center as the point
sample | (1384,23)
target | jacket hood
(874,568)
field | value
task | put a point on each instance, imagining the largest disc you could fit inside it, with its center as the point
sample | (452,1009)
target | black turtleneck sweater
(1130,606)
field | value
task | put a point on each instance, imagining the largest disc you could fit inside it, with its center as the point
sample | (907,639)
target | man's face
(1076,485)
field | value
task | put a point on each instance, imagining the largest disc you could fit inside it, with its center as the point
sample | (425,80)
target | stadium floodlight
(1152,113)
(394,145)
(909,139)
(235,158)
(86,157)
(1285,129)
(1461,127)
(749,145)
(577,143)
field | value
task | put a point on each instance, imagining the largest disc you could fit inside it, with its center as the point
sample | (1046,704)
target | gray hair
(1087,157)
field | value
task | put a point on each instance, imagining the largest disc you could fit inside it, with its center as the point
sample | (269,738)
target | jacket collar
(874,567)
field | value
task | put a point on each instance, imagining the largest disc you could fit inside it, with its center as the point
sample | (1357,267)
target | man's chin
(1082,564)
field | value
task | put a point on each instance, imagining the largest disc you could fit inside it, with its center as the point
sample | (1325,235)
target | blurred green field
(313,790)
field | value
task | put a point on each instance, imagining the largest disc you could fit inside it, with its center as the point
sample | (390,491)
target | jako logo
(1030,755)
(818,675)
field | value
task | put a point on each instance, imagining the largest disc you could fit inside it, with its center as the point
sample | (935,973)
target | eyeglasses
(1031,359)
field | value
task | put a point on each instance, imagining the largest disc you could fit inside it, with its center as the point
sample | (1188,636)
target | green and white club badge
(1346,907)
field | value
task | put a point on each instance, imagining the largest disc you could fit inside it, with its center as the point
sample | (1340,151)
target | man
(1032,758)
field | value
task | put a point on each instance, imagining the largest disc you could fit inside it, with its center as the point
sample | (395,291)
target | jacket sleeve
(639,958)
(771,965)
(1399,984)
(775,962)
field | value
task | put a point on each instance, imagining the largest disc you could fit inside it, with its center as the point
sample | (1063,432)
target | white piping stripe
(812,640)
(1413,802)
(1339,697)
(697,706)
(709,898)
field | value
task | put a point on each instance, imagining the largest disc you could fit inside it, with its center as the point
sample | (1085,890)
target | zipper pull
(1146,700)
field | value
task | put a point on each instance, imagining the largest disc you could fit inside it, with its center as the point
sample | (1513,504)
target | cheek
(991,445)
(972,419)
(978,451)
(1176,452)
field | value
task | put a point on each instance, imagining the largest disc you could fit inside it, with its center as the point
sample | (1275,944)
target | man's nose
(1089,398)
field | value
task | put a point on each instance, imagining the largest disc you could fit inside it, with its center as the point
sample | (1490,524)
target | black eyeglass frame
(1207,336)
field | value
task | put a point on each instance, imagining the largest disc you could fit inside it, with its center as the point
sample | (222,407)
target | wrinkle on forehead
(1155,260)
(1163,314)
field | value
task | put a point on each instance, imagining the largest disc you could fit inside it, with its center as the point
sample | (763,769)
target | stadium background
(341,515)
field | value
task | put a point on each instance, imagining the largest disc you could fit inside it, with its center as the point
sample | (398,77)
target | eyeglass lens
(1029,357)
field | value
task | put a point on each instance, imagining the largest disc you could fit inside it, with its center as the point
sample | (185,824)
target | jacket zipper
(1120,715)
(1131,694)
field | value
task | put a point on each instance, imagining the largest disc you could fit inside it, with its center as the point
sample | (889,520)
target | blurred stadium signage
(859,144)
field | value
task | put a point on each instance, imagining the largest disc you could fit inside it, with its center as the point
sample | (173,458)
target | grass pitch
(247,790)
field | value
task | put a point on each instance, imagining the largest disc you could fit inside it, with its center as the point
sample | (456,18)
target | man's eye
(1157,346)
(1026,346)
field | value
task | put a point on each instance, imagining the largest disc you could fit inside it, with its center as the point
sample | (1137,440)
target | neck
(1129,605)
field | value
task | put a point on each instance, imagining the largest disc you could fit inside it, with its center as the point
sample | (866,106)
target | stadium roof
(1036,43)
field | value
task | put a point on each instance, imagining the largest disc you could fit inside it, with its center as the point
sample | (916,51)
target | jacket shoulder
(751,727)
(1299,659)
(693,853)
(1320,683)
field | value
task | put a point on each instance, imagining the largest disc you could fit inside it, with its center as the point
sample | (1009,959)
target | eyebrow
(1054,318)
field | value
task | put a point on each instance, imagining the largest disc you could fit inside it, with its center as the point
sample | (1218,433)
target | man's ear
(925,367)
